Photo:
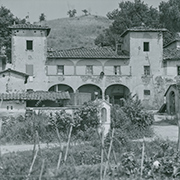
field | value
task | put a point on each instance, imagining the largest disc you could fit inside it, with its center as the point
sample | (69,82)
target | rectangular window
(29,45)
(147,92)
(29,69)
(89,69)
(146,70)
(178,70)
(60,69)
(117,70)
(146,46)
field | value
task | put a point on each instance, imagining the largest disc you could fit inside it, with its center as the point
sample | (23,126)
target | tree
(85,12)
(170,17)
(42,17)
(7,19)
(72,13)
(130,14)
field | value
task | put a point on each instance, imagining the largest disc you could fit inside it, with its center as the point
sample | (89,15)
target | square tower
(29,53)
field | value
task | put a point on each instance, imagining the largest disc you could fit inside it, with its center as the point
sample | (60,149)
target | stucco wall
(172,67)
(13,105)
(11,82)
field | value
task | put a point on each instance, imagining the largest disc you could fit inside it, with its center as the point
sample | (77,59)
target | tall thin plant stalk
(42,168)
(102,154)
(109,152)
(142,159)
(68,143)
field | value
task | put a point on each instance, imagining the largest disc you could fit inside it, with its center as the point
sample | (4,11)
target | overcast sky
(54,9)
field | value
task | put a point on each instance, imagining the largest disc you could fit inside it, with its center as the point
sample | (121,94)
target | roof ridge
(28,24)
(80,48)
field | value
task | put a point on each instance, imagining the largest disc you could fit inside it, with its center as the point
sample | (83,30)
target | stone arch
(61,87)
(93,62)
(88,67)
(116,93)
(66,62)
(94,90)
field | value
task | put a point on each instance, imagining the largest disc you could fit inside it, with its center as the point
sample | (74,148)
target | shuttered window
(60,69)
(146,70)
(29,69)
(117,70)
(178,70)
(89,69)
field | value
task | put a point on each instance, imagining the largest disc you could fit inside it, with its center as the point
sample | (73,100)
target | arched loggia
(93,90)
(61,87)
(116,93)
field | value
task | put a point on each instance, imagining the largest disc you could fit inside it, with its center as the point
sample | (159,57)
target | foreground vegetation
(114,157)
(83,162)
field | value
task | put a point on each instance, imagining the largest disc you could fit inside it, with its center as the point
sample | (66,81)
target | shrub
(131,119)
(84,120)
(21,130)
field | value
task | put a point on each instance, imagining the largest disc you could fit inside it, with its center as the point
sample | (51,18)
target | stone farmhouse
(140,65)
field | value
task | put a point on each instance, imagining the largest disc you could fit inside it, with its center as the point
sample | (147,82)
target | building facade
(140,66)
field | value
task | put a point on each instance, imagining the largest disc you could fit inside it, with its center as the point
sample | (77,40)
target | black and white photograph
(89,89)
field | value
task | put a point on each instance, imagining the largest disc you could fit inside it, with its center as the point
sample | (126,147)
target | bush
(22,130)
(84,120)
(131,119)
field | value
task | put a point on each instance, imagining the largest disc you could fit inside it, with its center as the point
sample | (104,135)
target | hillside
(75,32)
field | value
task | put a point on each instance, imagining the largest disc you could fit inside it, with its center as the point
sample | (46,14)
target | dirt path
(163,132)
(23,147)
(166,132)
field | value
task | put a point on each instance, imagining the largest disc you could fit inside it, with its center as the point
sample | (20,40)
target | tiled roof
(14,71)
(36,95)
(87,53)
(174,40)
(172,85)
(171,54)
(142,29)
(30,26)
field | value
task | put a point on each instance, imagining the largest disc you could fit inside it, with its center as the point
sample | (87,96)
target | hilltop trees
(72,13)
(85,11)
(42,17)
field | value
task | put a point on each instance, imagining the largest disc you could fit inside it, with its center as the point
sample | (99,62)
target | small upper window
(146,46)
(147,92)
(29,45)
(146,70)
(60,69)
(89,69)
(117,70)
(178,70)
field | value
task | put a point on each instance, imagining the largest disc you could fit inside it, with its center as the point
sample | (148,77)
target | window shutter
(29,69)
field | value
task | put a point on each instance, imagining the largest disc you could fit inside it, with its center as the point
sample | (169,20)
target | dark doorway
(172,103)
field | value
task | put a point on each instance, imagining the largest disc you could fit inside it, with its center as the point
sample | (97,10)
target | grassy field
(67,33)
